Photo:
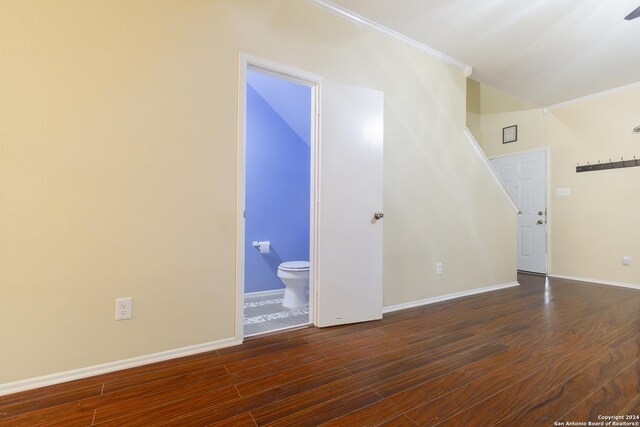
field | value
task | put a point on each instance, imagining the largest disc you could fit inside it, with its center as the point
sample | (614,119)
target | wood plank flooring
(525,356)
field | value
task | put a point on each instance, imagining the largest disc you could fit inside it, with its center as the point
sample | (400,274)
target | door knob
(540,213)
(378,215)
(540,221)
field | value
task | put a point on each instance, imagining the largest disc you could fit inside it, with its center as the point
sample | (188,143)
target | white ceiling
(543,51)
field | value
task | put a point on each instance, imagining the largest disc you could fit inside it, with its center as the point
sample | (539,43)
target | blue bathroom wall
(277,185)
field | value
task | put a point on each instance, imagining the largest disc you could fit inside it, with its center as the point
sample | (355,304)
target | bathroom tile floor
(265,313)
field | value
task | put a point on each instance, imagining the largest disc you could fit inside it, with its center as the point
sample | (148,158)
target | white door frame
(547,177)
(307,79)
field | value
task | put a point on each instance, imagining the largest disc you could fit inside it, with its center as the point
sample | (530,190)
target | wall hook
(618,164)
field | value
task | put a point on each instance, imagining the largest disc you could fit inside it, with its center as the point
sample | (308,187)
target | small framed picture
(510,134)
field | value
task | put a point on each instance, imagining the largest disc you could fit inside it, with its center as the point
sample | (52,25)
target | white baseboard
(264,293)
(76,374)
(433,300)
(596,281)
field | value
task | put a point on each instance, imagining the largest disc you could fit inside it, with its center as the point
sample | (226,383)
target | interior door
(524,176)
(349,269)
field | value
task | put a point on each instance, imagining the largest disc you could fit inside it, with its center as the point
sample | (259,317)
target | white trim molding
(367,23)
(592,96)
(492,171)
(279,70)
(264,293)
(247,62)
(76,374)
(433,300)
(596,281)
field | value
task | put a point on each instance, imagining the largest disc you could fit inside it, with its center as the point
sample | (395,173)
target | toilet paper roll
(264,247)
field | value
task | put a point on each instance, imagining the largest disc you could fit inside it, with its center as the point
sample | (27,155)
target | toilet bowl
(295,277)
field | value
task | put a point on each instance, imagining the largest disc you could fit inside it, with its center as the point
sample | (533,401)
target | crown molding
(592,96)
(367,23)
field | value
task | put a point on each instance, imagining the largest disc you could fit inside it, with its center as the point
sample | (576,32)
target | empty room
(313,212)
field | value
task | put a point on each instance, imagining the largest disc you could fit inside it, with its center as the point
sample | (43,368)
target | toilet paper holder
(263,247)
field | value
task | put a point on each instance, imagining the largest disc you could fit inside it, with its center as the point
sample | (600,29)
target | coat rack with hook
(611,164)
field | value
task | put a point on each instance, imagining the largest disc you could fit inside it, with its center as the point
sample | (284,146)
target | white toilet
(295,276)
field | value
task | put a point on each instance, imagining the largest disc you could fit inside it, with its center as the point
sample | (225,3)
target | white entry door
(349,269)
(525,177)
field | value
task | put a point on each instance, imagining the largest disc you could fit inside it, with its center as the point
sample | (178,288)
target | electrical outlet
(124,308)
(626,260)
(439,268)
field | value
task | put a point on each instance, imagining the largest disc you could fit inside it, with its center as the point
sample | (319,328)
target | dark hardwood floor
(523,356)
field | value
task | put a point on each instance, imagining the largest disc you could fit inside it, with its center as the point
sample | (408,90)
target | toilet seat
(294,266)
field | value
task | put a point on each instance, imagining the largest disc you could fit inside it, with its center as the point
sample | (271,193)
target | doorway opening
(344,209)
(275,258)
(525,177)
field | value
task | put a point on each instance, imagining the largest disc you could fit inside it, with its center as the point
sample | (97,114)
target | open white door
(524,175)
(349,269)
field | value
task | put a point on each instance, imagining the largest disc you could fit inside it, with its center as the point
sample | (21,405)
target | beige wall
(598,224)
(117,170)
(474,109)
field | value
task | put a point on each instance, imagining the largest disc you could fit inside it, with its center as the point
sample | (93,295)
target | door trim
(246,62)
(547,177)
